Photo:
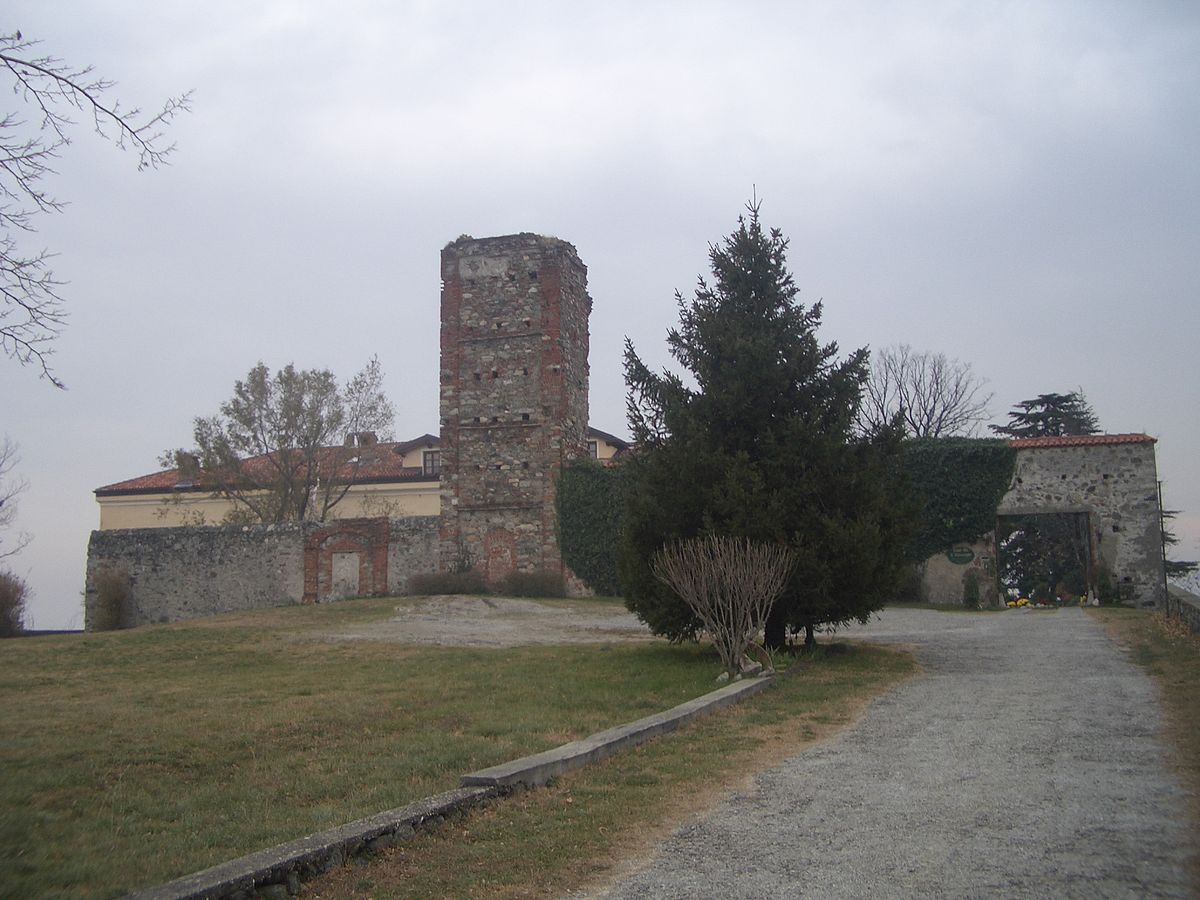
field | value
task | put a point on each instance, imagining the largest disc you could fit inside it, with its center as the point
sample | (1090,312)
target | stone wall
(944,575)
(1116,485)
(1184,605)
(187,572)
(514,398)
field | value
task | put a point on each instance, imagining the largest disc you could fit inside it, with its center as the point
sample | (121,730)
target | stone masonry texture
(183,573)
(514,398)
(1116,485)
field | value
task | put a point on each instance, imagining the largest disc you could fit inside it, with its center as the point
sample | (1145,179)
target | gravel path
(1025,762)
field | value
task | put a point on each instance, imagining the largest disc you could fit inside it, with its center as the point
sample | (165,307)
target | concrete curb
(285,866)
(288,864)
(538,769)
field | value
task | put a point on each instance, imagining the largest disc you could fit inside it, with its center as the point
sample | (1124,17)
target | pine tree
(763,447)
(1050,415)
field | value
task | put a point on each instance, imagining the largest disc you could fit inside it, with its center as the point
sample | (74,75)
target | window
(593,449)
(431,462)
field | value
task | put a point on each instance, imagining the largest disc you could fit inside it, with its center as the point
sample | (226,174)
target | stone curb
(288,864)
(541,767)
(285,866)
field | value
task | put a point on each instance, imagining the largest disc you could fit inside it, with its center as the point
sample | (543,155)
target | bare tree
(32,313)
(278,448)
(729,583)
(935,396)
(10,489)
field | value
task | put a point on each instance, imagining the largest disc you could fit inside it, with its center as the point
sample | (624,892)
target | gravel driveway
(1025,762)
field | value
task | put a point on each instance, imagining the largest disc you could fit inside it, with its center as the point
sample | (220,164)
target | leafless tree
(729,583)
(934,395)
(32,312)
(10,489)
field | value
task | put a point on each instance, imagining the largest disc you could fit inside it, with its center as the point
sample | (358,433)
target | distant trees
(277,448)
(763,447)
(1050,415)
(935,396)
(14,594)
(11,488)
(31,308)
(1176,568)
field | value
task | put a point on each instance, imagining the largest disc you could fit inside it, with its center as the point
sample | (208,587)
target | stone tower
(514,398)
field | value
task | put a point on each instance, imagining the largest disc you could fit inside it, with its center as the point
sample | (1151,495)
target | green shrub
(534,584)
(469,582)
(114,596)
(13,594)
(971,590)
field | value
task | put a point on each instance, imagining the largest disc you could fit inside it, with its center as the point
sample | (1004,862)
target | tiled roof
(1079,440)
(377,463)
(426,440)
(611,439)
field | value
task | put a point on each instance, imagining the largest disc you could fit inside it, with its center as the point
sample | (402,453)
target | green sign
(960,554)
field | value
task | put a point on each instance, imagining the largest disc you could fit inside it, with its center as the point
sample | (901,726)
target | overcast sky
(1012,184)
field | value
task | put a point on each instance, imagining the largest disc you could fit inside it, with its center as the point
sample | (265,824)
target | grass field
(589,824)
(133,757)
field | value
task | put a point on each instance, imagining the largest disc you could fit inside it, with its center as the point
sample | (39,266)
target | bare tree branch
(10,489)
(31,309)
(934,396)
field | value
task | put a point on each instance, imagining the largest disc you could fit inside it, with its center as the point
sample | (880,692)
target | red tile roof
(1079,440)
(377,463)
(380,463)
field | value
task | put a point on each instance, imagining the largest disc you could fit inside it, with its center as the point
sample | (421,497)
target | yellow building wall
(604,450)
(169,510)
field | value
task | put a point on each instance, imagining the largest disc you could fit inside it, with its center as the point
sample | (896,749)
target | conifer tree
(1050,415)
(762,447)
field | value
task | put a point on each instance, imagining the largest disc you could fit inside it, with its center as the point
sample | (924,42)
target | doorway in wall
(1047,557)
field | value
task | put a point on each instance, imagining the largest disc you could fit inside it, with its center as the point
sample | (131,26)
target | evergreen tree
(763,447)
(1175,568)
(1050,415)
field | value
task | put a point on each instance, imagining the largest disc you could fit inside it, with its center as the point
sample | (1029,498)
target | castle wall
(187,572)
(514,398)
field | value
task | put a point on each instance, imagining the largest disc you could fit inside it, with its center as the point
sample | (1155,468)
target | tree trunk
(810,637)
(775,629)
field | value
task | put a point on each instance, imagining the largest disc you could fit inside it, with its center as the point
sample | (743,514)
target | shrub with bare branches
(114,597)
(729,583)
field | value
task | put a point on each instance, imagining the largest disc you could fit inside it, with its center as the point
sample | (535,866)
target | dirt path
(461,621)
(1027,761)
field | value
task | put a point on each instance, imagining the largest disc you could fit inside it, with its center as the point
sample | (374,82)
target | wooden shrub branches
(729,583)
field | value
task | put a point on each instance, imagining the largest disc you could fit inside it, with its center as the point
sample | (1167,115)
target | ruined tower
(514,398)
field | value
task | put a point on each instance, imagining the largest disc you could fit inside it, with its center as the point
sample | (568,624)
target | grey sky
(1013,184)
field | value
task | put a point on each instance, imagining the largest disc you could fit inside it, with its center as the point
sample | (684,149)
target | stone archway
(1046,556)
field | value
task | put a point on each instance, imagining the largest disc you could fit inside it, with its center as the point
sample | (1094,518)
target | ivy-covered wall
(591,508)
(960,483)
